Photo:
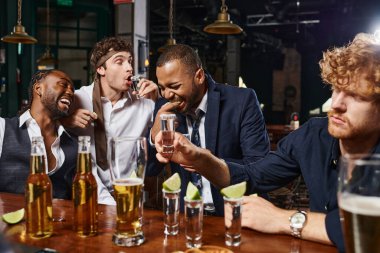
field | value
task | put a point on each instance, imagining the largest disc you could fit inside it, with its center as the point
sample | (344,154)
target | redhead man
(313,151)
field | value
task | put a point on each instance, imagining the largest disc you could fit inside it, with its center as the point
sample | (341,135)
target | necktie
(99,131)
(196,178)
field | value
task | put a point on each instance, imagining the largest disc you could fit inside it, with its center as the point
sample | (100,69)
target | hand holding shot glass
(128,156)
(167,129)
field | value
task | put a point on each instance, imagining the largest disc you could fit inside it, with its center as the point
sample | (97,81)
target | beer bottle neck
(84,158)
(84,162)
(37,164)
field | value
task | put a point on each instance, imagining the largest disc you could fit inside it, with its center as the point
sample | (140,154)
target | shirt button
(335,162)
(326,207)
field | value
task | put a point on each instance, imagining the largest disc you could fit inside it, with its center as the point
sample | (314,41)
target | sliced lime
(234,191)
(192,192)
(14,217)
(173,183)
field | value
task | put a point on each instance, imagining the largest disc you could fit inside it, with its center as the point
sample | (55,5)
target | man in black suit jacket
(232,127)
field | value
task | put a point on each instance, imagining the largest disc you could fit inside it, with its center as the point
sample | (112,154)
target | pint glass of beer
(128,156)
(359,202)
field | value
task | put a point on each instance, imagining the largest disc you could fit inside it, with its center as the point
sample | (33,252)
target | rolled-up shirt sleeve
(334,229)
(272,172)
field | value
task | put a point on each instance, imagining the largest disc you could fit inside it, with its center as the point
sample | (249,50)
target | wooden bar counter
(65,240)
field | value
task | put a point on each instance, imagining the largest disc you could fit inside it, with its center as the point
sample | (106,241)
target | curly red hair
(354,67)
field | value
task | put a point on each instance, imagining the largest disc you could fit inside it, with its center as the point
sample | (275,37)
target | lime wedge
(173,183)
(14,217)
(133,175)
(192,192)
(234,191)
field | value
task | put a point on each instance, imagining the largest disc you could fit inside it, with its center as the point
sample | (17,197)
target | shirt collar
(26,118)
(127,97)
(335,151)
(202,105)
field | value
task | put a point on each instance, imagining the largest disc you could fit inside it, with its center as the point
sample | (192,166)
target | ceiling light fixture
(171,41)
(19,35)
(223,25)
(47,60)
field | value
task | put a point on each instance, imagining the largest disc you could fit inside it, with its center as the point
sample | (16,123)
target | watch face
(297,220)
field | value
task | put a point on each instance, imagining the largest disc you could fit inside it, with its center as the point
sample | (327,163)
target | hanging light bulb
(171,41)
(223,25)
(19,35)
(47,60)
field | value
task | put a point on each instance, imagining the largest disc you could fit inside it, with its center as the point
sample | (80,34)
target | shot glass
(171,211)
(167,128)
(135,80)
(232,220)
(193,223)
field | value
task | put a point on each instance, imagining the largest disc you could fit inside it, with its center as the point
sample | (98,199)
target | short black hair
(183,53)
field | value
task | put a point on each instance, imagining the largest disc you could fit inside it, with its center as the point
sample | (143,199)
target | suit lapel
(212,116)
(182,124)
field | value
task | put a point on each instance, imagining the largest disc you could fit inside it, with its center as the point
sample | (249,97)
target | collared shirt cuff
(237,173)
(334,229)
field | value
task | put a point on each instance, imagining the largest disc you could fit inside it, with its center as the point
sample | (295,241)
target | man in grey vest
(51,94)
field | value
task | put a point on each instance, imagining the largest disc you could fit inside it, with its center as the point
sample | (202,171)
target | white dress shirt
(127,117)
(35,130)
(206,187)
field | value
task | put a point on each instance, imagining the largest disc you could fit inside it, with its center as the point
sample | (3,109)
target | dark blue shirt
(312,152)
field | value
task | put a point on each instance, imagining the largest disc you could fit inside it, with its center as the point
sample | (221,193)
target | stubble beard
(52,105)
(349,131)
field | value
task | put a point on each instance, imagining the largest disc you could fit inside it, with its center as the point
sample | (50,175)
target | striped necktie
(196,178)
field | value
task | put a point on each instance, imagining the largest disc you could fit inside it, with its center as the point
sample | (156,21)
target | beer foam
(365,205)
(128,181)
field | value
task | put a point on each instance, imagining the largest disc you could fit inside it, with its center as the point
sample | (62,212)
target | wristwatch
(297,223)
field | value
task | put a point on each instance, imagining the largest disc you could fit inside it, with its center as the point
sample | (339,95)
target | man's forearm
(315,229)
(213,168)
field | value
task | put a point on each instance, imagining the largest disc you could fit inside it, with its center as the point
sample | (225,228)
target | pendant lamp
(223,25)
(19,35)
(171,41)
(47,60)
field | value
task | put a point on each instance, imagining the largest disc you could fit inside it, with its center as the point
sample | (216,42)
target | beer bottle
(38,194)
(85,196)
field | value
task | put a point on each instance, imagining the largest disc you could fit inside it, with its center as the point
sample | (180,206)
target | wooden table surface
(65,240)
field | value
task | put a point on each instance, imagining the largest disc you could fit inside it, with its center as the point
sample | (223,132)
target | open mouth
(129,80)
(65,102)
